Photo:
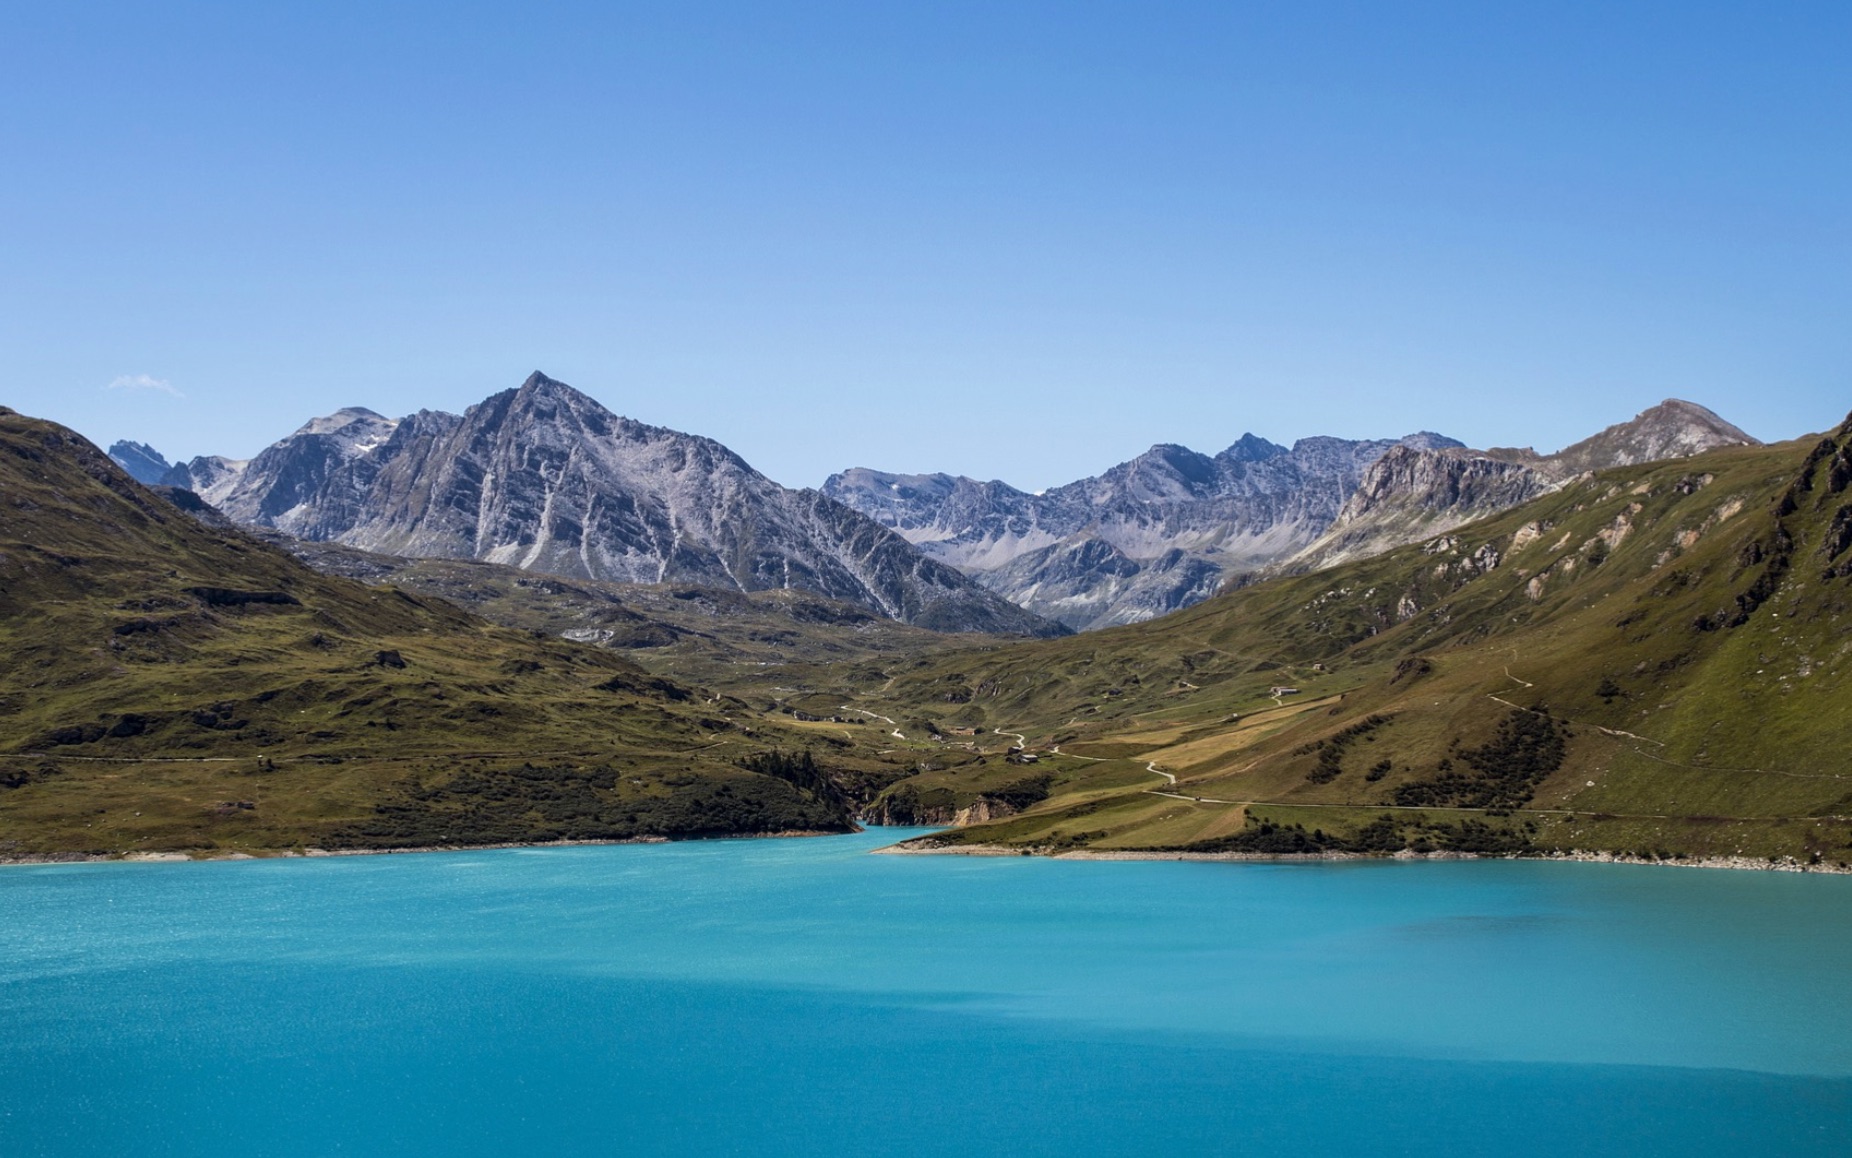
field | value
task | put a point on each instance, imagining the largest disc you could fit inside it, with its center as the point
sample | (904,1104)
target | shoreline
(907,848)
(1581,856)
(318,853)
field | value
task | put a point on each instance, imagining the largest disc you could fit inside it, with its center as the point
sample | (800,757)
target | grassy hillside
(1653,660)
(165,685)
(752,642)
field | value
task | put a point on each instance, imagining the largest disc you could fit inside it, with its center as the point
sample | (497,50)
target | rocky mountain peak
(1428,440)
(1252,448)
(1673,429)
(1168,471)
(143,463)
(542,397)
(355,423)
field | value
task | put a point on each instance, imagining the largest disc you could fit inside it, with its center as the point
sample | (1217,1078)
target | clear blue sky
(1010,240)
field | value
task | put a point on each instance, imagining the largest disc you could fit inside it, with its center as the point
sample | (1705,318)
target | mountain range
(1170,527)
(545,478)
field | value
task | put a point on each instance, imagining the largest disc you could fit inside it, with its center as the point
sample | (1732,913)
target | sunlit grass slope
(1653,659)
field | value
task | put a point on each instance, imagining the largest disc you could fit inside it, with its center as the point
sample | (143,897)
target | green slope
(1652,660)
(165,685)
(752,642)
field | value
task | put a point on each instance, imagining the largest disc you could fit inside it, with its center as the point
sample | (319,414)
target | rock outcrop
(1410,494)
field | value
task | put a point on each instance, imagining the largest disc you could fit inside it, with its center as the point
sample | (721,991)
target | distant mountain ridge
(545,478)
(1148,536)
(1170,527)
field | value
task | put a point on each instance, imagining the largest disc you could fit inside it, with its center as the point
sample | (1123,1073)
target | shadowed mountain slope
(166,685)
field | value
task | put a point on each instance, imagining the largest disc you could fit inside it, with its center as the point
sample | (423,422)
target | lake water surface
(801,997)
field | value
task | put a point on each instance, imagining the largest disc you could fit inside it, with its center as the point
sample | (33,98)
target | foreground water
(801,997)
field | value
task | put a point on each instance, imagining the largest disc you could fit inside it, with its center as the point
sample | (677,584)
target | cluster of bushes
(1020,794)
(800,770)
(1386,834)
(1503,774)
(1331,750)
(530,803)
(1265,838)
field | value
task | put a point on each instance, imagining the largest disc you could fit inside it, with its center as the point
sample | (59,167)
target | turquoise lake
(803,997)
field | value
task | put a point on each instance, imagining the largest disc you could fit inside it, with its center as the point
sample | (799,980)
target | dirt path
(896,733)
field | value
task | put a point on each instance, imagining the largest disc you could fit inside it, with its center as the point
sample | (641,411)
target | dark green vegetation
(166,685)
(1651,660)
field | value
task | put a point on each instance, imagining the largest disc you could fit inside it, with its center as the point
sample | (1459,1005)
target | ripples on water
(798,996)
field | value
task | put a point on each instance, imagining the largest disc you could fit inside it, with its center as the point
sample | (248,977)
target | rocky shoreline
(1741,863)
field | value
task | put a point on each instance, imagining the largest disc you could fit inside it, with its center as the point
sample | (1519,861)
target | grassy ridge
(164,685)
(1653,659)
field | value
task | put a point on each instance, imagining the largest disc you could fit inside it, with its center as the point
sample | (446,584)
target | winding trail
(1170,779)
(896,733)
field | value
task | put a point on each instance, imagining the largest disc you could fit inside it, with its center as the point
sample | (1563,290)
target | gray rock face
(211,477)
(546,479)
(1411,494)
(282,485)
(143,463)
(1146,537)
(1408,495)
